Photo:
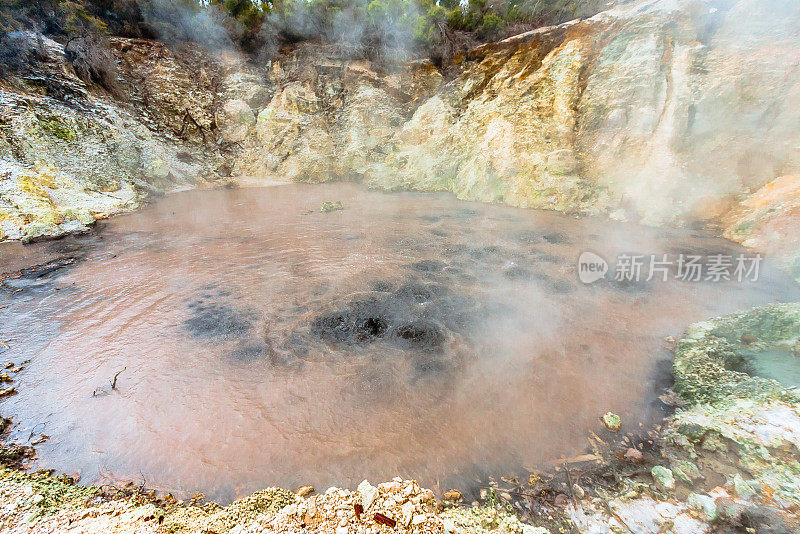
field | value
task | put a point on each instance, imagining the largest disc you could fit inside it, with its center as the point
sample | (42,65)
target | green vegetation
(57,128)
(376,27)
(711,362)
(332,206)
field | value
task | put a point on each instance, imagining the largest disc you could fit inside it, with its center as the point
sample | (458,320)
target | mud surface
(260,341)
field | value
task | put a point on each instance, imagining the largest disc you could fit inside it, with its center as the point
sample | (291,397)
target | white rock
(368,494)
(407,511)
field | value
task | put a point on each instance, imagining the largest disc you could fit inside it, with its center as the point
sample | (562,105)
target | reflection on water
(266,342)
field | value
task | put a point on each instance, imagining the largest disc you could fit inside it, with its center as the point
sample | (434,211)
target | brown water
(265,342)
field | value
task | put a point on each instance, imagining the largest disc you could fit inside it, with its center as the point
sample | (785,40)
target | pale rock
(703,504)
(742,488)
(235,120)
(368,494)
(407,513)
(663,477)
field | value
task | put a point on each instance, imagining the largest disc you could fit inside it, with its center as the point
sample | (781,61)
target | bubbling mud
(258,340)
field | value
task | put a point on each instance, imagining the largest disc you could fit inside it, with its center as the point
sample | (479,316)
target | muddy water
(264,342)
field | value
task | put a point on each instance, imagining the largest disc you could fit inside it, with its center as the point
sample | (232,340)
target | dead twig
(187,118)
(569,486)
(114,382)
(33,429)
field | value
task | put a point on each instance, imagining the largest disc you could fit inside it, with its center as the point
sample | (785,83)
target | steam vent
(400,267)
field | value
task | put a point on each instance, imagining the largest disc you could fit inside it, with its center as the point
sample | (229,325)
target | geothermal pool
(260,341)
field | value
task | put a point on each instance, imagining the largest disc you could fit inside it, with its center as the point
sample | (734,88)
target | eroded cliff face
(667,112)
(71,153)
(667,116)
(664,112)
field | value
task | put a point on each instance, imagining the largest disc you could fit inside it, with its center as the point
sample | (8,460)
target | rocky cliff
(667,112)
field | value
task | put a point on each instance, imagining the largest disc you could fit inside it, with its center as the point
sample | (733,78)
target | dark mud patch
(416,316)
(211,317)
(38,275)
(383,286)
(427,266)
(556,238)
(419,334)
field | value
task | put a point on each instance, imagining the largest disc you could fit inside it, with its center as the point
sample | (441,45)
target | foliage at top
(374,26)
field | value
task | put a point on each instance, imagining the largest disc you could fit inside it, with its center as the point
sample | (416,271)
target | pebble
(612,421)
(453,495)
(368,494)
(634,455)
(304,491)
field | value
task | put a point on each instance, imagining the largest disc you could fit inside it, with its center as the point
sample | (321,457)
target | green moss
(56,494)
(744,228)
(57,128)
(711,363)
(332,206)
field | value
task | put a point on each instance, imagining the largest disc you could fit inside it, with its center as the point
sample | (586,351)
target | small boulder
(304,491)
(743,489)
(634,455)
(452,495)
(368,494)
(663,477)
(703,504)
(332,206)
(765,520)
(686,472)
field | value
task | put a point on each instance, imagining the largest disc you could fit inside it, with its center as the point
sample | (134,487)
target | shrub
(491,26)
